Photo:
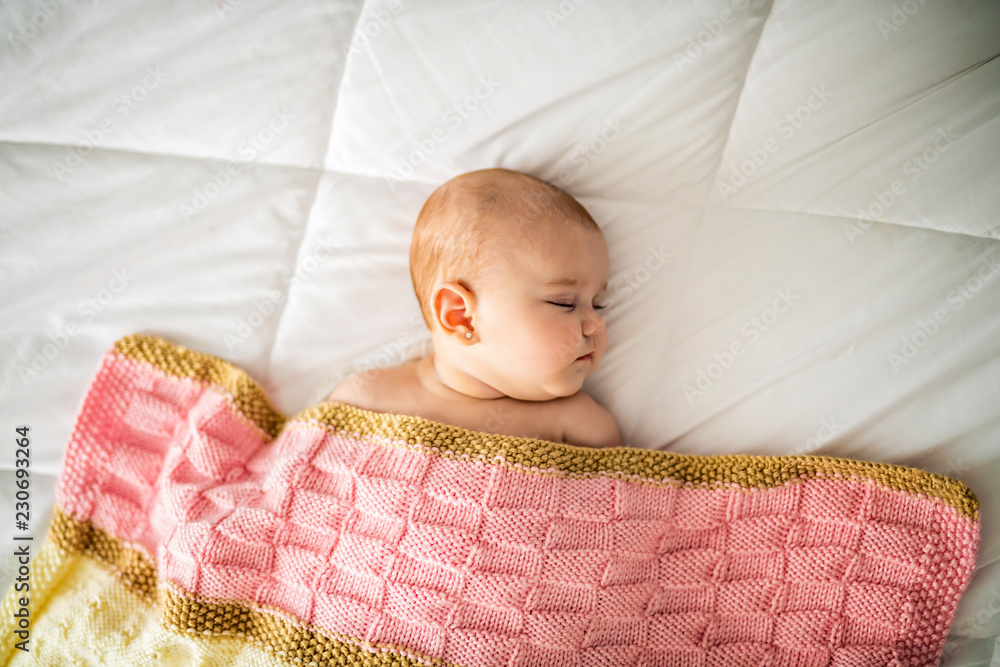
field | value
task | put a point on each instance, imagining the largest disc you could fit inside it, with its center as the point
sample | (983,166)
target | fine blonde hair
(474,215)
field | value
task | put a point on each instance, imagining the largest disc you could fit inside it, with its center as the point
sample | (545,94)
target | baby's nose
(593,323)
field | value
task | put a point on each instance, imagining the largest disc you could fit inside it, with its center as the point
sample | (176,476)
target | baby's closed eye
(573,305)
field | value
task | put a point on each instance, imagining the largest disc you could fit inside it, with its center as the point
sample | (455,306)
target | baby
(510,272)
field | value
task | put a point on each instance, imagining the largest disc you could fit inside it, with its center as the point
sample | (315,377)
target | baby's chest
(502,417)
(516,419)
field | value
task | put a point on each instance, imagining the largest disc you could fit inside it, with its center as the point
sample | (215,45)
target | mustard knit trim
(295,643)
(200,616)
(248,396)
(131,567)
(541,456)
(641,465)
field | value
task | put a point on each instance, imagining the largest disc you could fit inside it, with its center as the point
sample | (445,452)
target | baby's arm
(586,424)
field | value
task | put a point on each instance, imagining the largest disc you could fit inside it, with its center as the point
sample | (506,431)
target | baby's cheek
(568,346)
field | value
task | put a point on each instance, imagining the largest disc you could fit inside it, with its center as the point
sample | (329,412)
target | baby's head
(510,272)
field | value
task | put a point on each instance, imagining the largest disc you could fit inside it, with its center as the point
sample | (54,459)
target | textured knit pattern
(194,522)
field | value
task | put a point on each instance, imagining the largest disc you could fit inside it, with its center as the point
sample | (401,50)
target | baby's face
(539,325)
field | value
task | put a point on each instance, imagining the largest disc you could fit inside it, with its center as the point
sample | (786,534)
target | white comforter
(802,203)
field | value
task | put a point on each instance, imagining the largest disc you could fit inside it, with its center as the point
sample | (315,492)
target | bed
(801,202)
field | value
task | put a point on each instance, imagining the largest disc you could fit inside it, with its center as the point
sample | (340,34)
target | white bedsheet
(801,199)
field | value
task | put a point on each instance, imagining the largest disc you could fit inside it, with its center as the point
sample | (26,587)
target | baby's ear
(453,305)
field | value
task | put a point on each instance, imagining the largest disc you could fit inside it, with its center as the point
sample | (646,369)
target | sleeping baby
(510,272)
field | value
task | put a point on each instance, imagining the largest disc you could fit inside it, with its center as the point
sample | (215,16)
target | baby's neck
(448,382)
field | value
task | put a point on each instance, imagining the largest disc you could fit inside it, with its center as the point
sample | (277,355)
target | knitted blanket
(196,525)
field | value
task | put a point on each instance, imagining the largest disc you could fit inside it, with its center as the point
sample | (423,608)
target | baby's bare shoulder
(586,423)
(370,389)
(353,391)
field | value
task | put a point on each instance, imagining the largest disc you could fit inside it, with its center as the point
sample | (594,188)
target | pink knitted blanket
(195,522)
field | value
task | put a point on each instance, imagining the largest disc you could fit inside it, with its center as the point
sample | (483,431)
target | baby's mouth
(586,357)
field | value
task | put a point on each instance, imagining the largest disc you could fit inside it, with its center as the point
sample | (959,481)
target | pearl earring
(468,334)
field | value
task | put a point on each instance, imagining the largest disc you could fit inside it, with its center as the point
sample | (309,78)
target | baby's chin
(547,392)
